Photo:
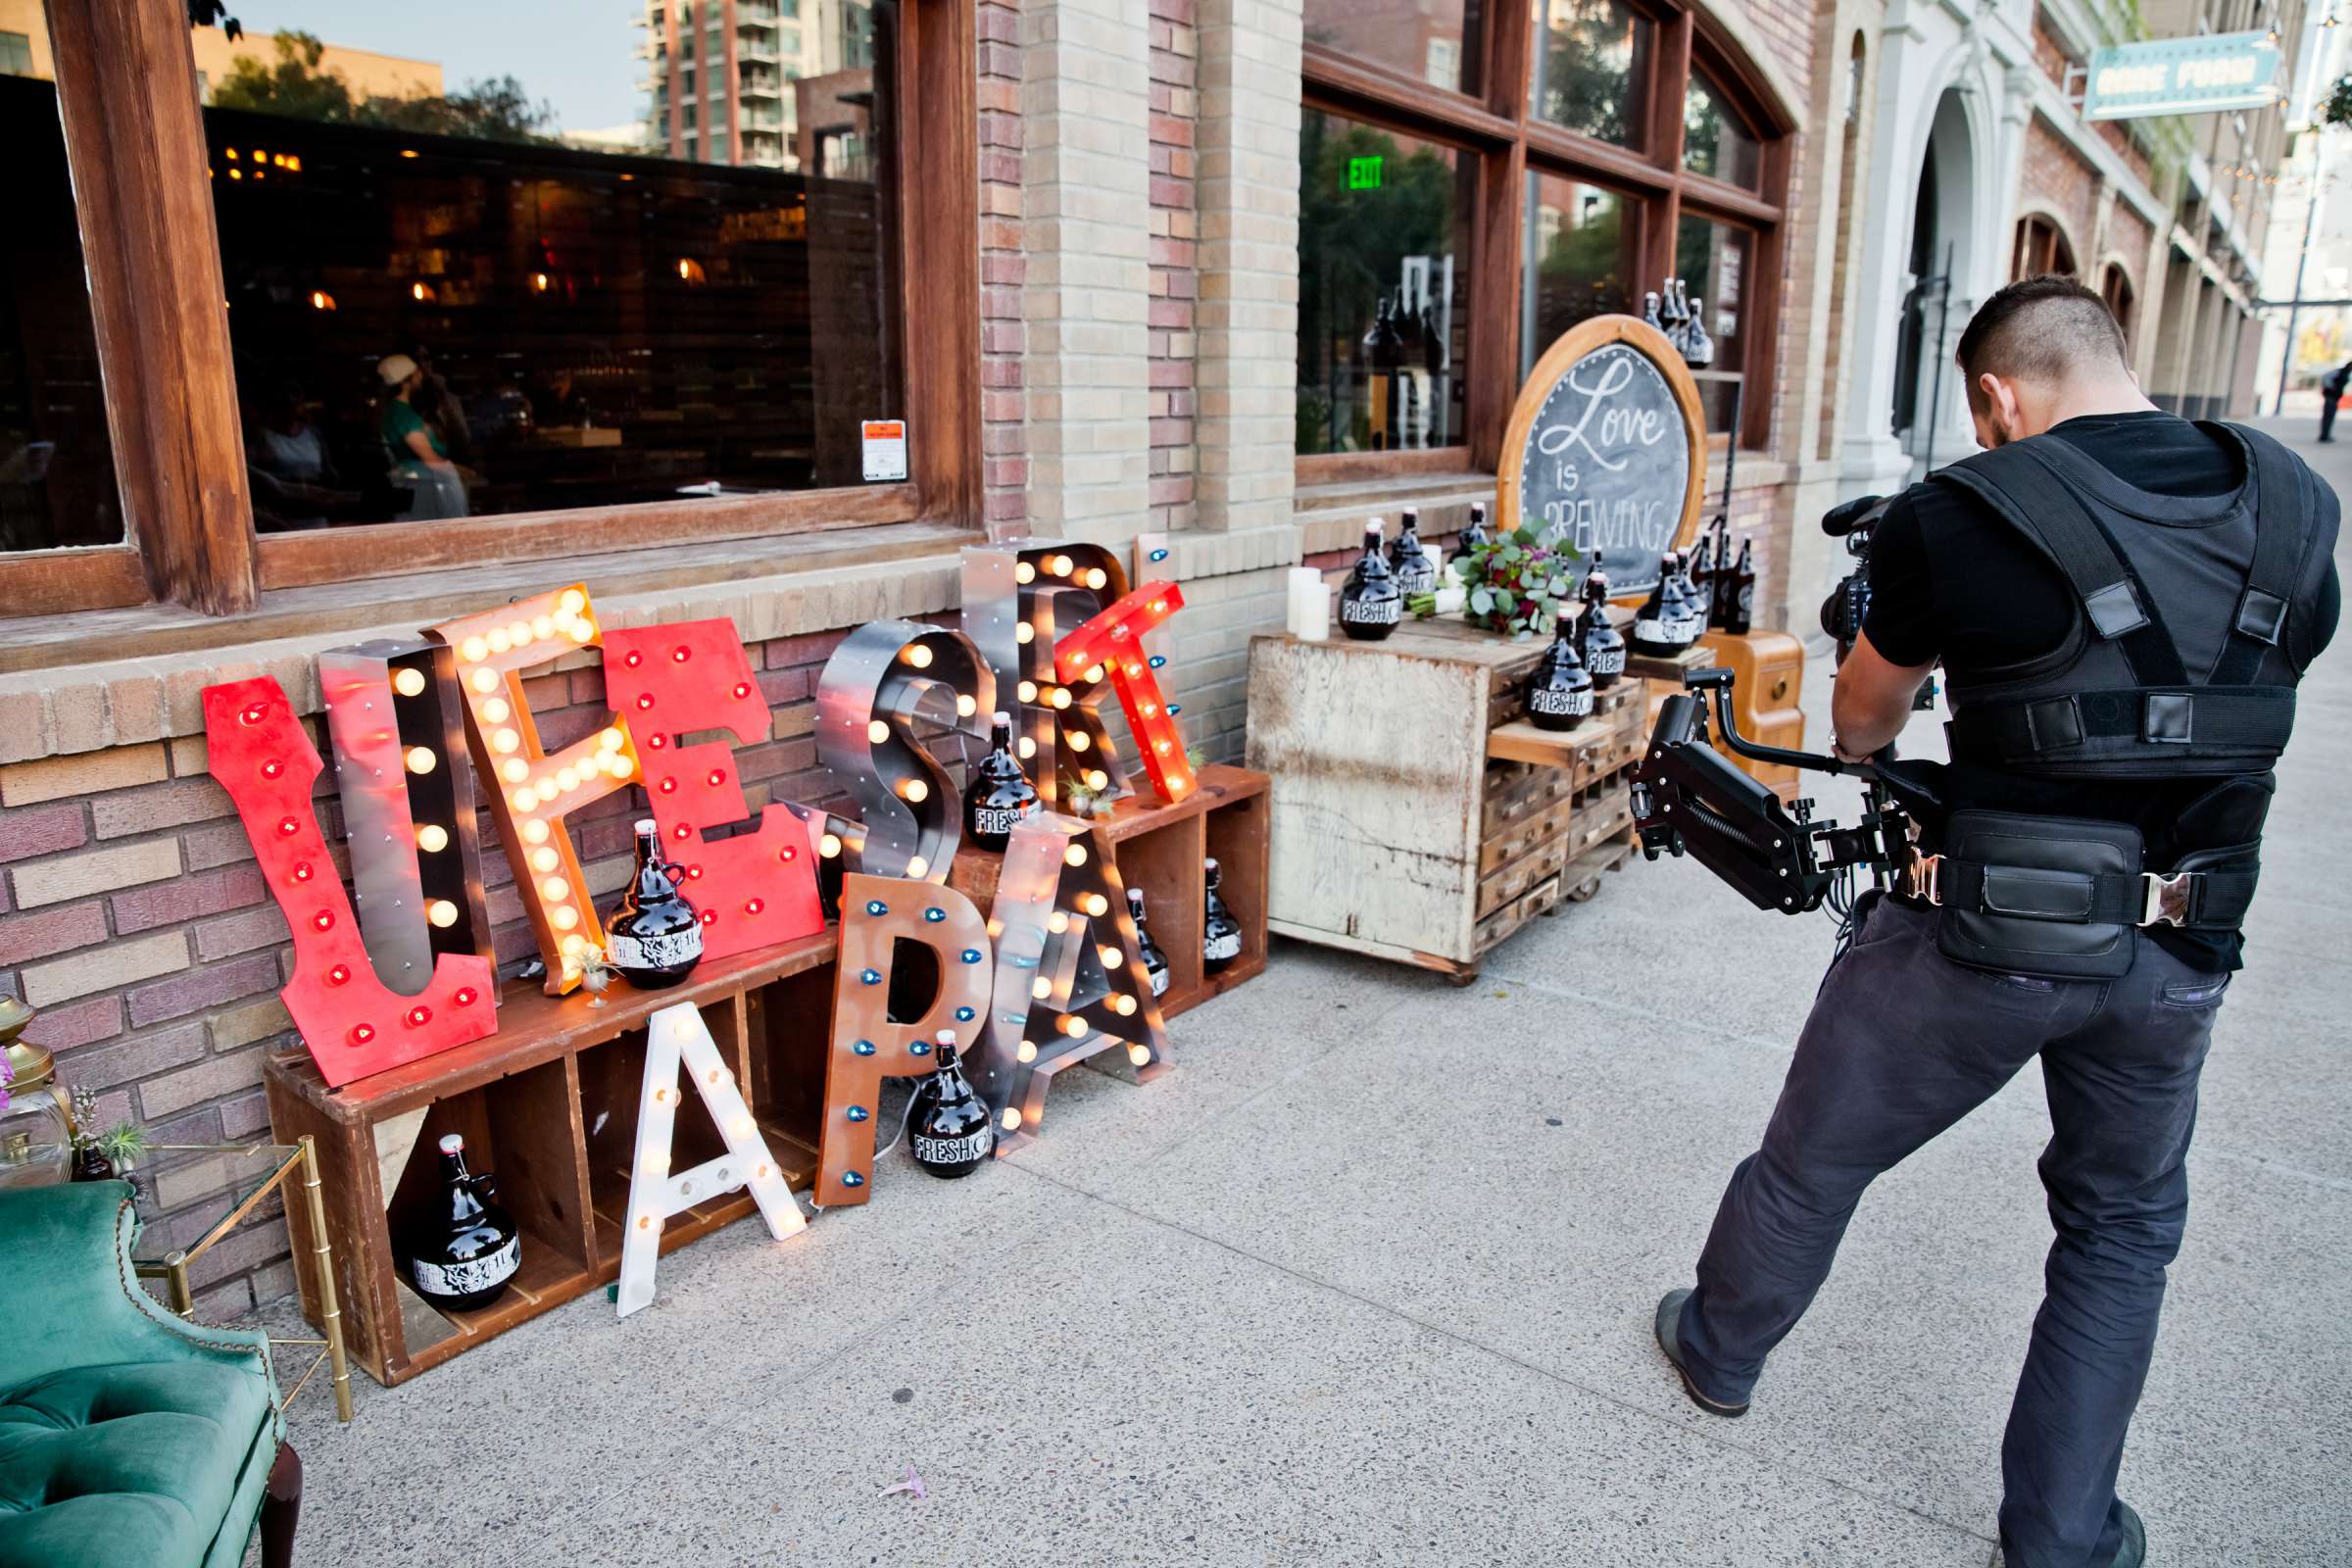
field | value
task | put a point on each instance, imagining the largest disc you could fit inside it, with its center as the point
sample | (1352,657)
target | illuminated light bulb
(543,626)
(418,1017)
(1134,671)
(514,769)
(1149,708)
(474,650)
(1111,956)
(645,1222)
(1075,855)
(1077,739)
(610,741)
(485,680)
(645,699)
(1097,779)
(966,705)
(466,996)
(1163,747)
(715,777)
(338,975)
(302,871)
(568,779)
(1095,577)
(1059,565)
(573,945)
(753,906)
(915,790)
(421,758)
(1040,988)
(1141,1055)
(505,740)
(919,656)
(680,654)
(527,799)
(916,865)
(565,918)
(1179,782)
(1027,1051)
(829,846)
(1058,921)
(1158,605)
(287,827)
(762,1172)
(1095,904)
(546,789)
(1124,1006)
(572,601)
(1028,691)
(1062,697)
(581,631)
(1024,633)
(499,641)
(519,633)
(877,732)
(494,710)
(787,855)
(543,859)
(1073,1027)
(441,912)
(433,838)
(1012,1118)
(1024,572)
(1028,747)
(535,832)
(362,1033)
(409,682)
(273,768)
(556,890)
(323,920)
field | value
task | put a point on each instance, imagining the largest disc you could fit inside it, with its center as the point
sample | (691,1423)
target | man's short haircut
(2045,328)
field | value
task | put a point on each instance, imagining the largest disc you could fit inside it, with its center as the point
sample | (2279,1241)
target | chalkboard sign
(1605,450)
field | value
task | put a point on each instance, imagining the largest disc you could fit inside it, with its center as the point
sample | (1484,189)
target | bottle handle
(485,1184)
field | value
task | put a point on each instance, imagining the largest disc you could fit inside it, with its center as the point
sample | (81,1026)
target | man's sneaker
(1670,1316)
(2131,1553)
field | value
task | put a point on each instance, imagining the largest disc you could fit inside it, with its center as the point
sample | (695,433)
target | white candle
(1309,605)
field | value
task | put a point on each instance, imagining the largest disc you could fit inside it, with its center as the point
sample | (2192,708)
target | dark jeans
(2328,406)
(1902,1044)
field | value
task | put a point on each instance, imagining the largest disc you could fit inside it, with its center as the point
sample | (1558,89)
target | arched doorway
(1937,302)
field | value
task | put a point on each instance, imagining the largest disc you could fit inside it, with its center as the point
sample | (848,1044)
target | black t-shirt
(1952,580)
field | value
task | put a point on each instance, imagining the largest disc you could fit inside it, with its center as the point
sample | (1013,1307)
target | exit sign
(1363,174)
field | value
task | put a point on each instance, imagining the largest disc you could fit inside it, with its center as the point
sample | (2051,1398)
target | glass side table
(253,1172)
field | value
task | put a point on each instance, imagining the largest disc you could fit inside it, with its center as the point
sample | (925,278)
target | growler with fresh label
(1409,561)
(654,939)
(1220,932)
(1370,602)
(1000,797)
(1155,959)
(1559,690)
(1601,645)
(952,1135)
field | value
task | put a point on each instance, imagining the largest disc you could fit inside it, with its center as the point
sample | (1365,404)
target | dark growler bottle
(999,796)
(464,1248)
(1649,310)
(1742,596)
(654,939)
(1659,620)
(1559,690)
(1156,961)
(1695,603)
(1699,349)
(1719,582)
(1603,645)
(952,1134)
(1671,313)
(1370,602)
(1473,534)
(1407,560)
(1220,932)
(1694,573)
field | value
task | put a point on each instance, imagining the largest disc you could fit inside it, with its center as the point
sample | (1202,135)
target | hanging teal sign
(2196,76)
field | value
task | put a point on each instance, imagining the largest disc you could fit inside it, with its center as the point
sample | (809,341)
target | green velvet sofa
(127,1435)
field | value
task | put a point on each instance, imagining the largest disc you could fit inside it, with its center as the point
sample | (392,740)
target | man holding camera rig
(2123,603)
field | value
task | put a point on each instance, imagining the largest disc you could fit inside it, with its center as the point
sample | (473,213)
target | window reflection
(1591,69)
(1583,259)
(557,287)
(57,463)
(1434,40)
(1716,141)
(1382,288)
(1712,260)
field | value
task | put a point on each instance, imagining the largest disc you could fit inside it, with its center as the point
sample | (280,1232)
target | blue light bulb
(849,1178)
(864,1048)
(971,955)
(876,906)
(934,915)
(856,1113)
(1159,660)
(871,977)
(963,1016)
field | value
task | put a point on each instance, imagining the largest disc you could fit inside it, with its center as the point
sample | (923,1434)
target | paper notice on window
(885,449)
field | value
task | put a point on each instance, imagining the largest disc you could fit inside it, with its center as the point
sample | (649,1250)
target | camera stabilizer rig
(1689,799)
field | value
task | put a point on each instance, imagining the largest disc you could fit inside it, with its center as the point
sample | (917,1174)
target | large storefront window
(1437,41)
(1587,111)
(1383,276)
(541,289)
(1591,69)
(1583,259)
(57,463)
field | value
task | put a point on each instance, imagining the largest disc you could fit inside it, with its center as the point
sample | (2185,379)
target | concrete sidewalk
(1368,1279)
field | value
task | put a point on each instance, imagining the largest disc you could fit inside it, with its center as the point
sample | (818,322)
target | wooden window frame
(1497,126)
(135,148)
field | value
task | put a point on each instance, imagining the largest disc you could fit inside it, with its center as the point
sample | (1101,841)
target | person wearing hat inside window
(420,460)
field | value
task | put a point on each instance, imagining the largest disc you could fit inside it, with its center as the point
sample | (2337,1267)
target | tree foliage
(298,86)
(2339,109)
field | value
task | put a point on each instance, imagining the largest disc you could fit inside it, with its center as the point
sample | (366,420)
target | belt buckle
(1921,874)
(2168,897)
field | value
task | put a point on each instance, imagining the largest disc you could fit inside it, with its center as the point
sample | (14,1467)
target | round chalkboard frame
(1598,333)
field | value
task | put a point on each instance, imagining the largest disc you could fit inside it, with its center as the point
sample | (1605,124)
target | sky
(576,54)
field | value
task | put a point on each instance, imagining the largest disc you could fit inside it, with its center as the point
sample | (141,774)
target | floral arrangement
(1516,583)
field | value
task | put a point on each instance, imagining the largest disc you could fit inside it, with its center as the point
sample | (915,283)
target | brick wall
(1174,248)
(1003,336)
(2053,178)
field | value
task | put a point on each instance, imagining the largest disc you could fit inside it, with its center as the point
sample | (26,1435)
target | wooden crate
(1159,849)
(1417,815)
(549,1103)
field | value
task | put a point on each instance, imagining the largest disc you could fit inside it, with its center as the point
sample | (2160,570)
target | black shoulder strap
(2019,483)
(2278,515)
